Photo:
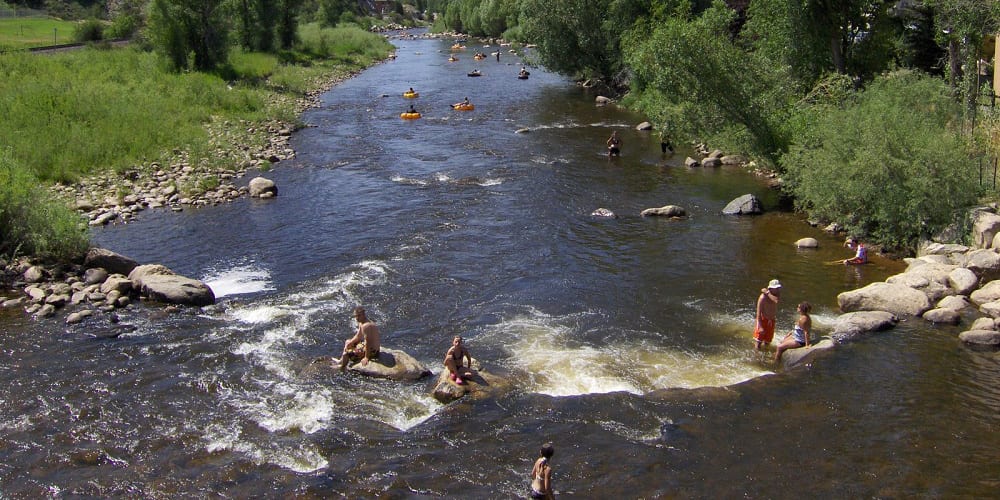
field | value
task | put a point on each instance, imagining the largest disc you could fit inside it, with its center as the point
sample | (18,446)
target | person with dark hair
(541,474)
(861,253)
(614,144)
(799,337)
(364,345)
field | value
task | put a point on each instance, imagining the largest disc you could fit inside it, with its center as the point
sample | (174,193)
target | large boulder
(798,356)
(261,187)
(112,262)
(665,211)
(897,299)
(478,384)
(985,226)
(988,293)
(943,316)
(747,204)
(985,263)
(934,248)
(159,283)
(963,281)
(807,243)
(853,325)
(956,302)
(392,364)
(934,290)
(981,337)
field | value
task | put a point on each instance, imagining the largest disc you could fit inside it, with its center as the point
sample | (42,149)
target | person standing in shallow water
(614,144)
(767,312)
(541,474)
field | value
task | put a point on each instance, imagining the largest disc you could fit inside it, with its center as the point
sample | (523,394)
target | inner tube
(410,95)
(522,77)
(475,73)
(463,107)
(409,116)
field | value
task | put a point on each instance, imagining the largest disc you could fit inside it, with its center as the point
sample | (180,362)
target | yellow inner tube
(409,116)
(463,107)
(410,95)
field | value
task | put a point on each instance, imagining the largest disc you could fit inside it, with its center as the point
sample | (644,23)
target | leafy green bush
(32,221)
(344,43)
(888,163)
(91,30)
(123,26)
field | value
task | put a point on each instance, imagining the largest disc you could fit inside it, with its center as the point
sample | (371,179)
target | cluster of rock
(105,282)
(121,197)
(397,365)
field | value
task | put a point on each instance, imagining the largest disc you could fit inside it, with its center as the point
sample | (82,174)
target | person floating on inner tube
(411,110)
(462,103)
(614,144)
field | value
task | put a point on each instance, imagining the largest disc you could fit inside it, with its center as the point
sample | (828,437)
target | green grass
(26,32)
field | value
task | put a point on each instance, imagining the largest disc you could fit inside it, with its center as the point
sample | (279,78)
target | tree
(571,37)
(962,24)
(190,33)
(886,162)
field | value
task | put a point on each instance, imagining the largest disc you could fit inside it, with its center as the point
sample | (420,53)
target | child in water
(799,337)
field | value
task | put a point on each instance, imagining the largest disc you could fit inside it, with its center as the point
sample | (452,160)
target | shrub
(91,30)
(33,221)
(887,164)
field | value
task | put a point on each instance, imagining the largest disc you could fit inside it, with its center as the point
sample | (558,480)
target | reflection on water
(626,340)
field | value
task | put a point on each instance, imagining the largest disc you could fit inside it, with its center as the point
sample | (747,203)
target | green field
(27,32)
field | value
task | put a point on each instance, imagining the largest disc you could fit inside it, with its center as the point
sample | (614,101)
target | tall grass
(68,115)
(33,221)
(345,43)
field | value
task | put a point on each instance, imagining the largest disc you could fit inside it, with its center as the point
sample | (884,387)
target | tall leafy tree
(190,33)
(571,36)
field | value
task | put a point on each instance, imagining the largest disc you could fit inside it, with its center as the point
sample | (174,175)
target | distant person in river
(767,311)
(454,361)
(665,143)
(614,144)
(861,253)
(411,110)
(461,103)
(799,337)
(541,474)
(364,346)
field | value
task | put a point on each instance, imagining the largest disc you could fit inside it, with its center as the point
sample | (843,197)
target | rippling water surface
(627,340)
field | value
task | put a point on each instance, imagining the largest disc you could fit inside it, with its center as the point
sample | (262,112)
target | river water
(627,341)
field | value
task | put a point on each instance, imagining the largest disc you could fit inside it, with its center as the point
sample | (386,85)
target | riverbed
(627,339)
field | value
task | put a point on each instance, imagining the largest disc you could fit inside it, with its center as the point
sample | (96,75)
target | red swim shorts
(764,332)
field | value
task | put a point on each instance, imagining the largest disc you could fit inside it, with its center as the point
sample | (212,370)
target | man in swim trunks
(767,311)
(364,345)
(454,359)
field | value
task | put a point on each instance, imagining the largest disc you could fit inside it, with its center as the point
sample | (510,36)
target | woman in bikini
(800,334)
(541,474)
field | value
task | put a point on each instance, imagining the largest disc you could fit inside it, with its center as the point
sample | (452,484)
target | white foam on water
(546,349)
(302,458)
(407,180)
(237,280)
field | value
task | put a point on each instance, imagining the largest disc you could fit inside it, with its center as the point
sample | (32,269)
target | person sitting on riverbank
(454,360)
(799,337)
(364,345)
(541,474)
(614,144)
(767,311)
(861,253)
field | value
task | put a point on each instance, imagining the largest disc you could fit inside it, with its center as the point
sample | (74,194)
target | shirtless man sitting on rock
(364,345)
(453,361)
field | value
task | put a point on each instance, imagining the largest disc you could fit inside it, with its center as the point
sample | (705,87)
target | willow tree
(190,33)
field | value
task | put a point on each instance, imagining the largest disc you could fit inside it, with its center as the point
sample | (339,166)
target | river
(627,340)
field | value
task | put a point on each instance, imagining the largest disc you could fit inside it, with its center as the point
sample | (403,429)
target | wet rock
(733,160)
(711,162)
(644,126)
(795,357)
(807,243)
(691,162)
(603,212)
(478,384)
(896,299)
(159,283)
(110,261)
(260,185)
(853,325)
(45,311)
(943,316)
(392,364)
(95,275)
(981,337)
(117,283)
(79,316)
(665,211)
(956,302)
(983,324)
(747,204)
